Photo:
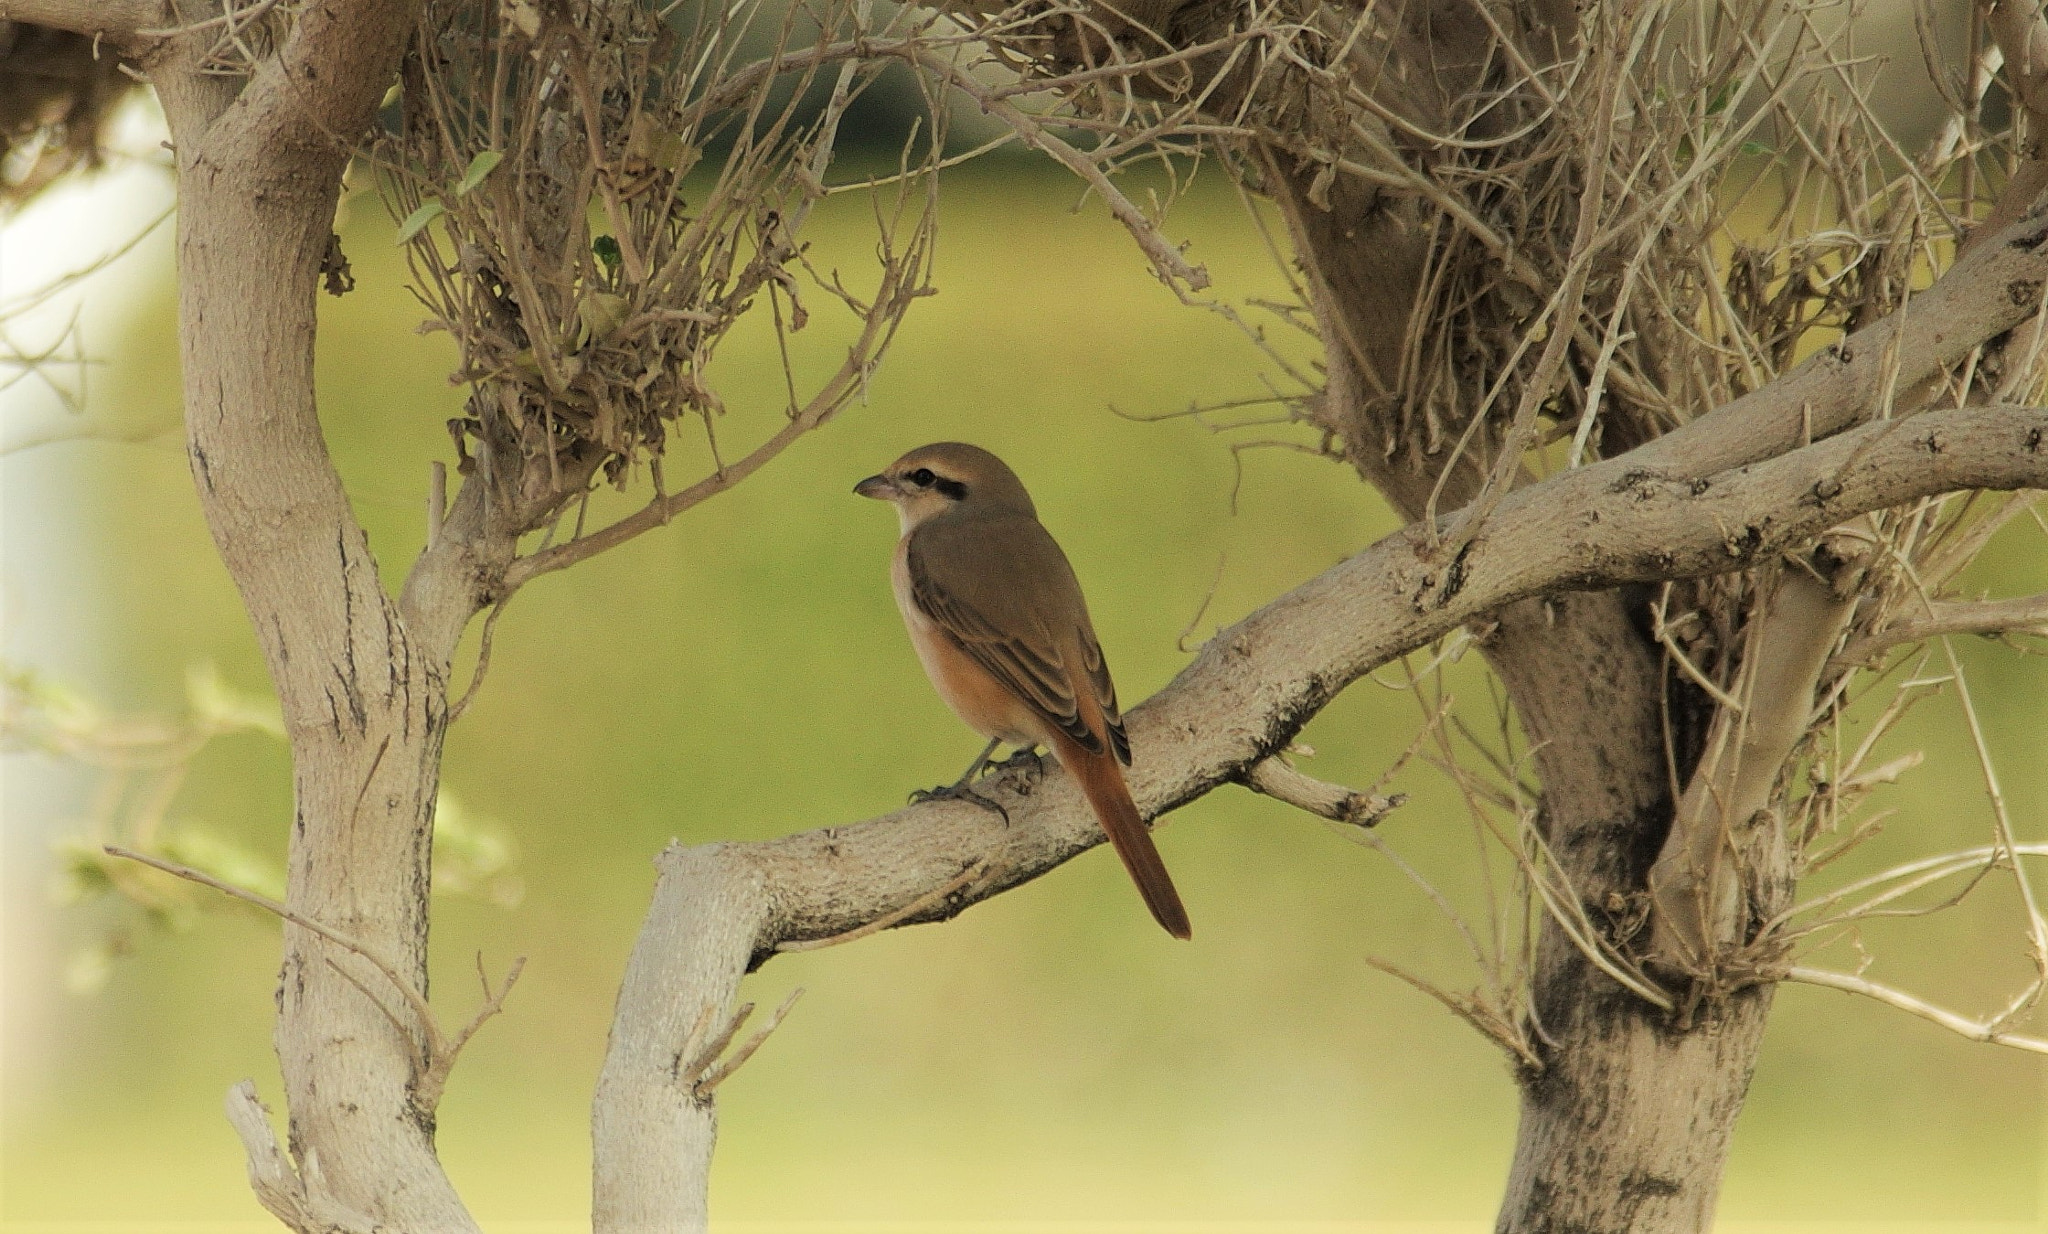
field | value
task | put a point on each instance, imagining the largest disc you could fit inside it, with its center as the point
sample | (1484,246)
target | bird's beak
(878,487)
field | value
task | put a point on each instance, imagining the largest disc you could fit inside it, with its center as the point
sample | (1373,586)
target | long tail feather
(1102,782)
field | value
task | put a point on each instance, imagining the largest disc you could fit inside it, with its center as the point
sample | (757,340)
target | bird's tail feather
(1102,782)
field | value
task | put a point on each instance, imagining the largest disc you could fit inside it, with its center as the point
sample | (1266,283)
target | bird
(997,618)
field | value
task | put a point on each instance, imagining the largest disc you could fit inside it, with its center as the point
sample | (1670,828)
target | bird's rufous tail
(1102,782)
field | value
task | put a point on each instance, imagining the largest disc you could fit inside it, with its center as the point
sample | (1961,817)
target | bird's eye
(922,477)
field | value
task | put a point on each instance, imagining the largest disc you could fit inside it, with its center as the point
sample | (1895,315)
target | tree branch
(900,283)
(2020,614)
(1275,777)
(119,22)
(277,1185)
(1975,1030)
(1712,856)
(414,999)
(259,170)
(720,910)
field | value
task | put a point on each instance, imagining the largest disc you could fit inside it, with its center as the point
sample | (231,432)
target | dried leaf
(651,143)
(601,313)
(521,15)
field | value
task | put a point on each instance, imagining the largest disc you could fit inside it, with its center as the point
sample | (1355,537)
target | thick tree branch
(259,166)
(2021,614)
(2021,38)
(1723,843)
(1254,685)
(119,22)
(720,910)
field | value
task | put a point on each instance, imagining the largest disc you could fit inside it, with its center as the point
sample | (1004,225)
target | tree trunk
(1626,1123)
(363,704)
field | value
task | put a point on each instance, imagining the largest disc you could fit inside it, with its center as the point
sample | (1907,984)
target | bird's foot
(959,791)
(1026,767)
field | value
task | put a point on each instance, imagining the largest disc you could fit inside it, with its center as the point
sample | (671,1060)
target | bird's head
(944,477)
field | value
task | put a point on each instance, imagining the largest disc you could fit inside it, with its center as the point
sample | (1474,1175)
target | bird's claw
(1027,763)
(958,792)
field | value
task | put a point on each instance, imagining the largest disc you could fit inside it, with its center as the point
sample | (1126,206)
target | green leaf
(479,167)
(427,213)
(81,871)
(606,250)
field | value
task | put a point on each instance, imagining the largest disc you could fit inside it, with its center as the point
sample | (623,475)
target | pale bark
(720,911)
(1724,847)
(1626,1124)
(363,697)
(2020,614)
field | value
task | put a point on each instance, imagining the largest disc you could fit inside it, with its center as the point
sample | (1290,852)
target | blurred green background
(1050,1056)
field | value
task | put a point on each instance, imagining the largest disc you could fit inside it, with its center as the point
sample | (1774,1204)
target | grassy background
(1051,1056)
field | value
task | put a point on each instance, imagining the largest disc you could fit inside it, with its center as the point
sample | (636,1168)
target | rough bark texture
(697,939)
(1626,1123)
(364,702)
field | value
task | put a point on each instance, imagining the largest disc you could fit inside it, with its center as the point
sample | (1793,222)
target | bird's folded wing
(1005,636)
(1097,665)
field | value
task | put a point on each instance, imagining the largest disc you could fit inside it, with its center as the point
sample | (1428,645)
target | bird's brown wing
(1002,590)
(1105,691)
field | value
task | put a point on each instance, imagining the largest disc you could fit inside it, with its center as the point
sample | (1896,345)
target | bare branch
(1710,861)
(1173,269)
(417,1001)
(1502,1032)
(1255,684)
(2022,614)
(438,1051)
(1975,1030)
(721,910)
(712,1076)
(894,917)
(434,1079)
(898,289)
(1275,777)
(276,1184)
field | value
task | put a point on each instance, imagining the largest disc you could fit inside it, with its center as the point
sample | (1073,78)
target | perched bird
(997,617)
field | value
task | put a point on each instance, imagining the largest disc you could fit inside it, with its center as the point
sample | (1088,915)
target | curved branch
(2021,614)
(720,910)
(259,169)
(1975,1030)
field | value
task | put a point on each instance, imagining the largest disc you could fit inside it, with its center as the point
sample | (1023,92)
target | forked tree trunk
(1626,1123)
(364,702)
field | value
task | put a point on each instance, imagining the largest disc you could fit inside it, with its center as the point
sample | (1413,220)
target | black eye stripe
(952,488)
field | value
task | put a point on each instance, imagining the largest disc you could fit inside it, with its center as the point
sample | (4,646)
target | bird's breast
(973,693)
